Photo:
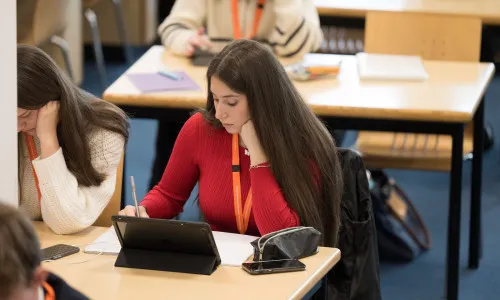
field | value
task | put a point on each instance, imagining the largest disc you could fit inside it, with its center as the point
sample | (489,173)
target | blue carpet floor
(421,279)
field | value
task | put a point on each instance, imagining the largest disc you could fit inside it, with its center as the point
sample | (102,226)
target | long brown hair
(40,80)
(301,152)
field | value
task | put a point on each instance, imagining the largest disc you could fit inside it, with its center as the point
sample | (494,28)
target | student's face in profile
(26,120)
(231,108)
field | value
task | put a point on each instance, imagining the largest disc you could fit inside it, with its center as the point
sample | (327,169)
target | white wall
(8,102)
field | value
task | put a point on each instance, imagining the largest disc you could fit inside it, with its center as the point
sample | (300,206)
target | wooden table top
(97,277)
(451,94)
(487,10)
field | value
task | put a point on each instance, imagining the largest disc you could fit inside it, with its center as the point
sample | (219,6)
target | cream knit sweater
(290,27)
(66,206)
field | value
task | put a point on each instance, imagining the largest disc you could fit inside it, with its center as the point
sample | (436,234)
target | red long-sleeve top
(202,154)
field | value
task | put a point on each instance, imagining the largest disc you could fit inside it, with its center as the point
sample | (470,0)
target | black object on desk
(166,245)
(202,57)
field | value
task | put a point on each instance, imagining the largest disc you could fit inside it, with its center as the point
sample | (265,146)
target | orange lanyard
(242,215)
(49,291)
(256,19)
(30,142)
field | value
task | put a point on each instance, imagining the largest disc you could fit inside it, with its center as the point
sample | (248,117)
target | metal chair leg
(96,40)
(63,45)
(122,30)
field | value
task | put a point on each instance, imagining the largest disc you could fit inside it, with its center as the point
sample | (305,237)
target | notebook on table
(157,82)
(390,67)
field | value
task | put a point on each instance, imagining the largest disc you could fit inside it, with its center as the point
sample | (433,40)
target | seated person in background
(21,276)
(70,145)
(289,27)
(263,160)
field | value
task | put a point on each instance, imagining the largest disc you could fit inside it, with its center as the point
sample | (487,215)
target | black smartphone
(201,61)
(273,266)
(58,251)
(201,57)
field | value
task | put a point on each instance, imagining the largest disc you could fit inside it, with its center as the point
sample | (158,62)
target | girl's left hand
(249,137)
(48,118)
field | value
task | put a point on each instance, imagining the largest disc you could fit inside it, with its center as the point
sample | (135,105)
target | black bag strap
(426,244)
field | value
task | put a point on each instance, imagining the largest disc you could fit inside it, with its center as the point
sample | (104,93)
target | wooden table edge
(318,275)
(324,111)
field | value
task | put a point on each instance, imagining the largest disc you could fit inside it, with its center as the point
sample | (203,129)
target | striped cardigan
(289,27)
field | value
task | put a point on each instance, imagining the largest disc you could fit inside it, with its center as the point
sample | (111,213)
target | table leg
(453,245)
(322,293)
(475,208)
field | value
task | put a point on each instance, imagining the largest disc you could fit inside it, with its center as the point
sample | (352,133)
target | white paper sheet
(390,67)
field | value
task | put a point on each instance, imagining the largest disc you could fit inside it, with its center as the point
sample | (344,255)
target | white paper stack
(390,67)
(234,249)
(107,243)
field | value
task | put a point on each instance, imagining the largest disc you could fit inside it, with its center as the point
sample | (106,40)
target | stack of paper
(107,243)
(390,67)
(234,249)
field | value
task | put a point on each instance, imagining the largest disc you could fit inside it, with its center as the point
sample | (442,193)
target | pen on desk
(169,75)
(134,195)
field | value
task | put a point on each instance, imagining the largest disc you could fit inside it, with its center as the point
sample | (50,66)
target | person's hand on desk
(129,210)
(199,40)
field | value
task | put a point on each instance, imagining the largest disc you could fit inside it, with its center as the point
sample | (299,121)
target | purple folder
(155,82)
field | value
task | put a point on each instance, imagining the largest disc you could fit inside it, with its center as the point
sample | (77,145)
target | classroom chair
(433,37)
(91,18)
(357,274)
(39,22)
(113,206)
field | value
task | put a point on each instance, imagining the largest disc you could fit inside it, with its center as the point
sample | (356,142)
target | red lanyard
(30,142)
(242,215)
(256,19)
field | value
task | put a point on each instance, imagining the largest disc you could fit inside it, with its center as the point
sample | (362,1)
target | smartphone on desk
(202,57)
(273,266)
(58,251)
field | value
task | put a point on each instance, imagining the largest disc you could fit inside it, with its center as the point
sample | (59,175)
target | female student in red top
(263,160)
(290,28)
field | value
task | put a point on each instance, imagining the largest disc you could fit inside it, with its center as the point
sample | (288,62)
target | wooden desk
(99,279)
(487,10)
(452,97)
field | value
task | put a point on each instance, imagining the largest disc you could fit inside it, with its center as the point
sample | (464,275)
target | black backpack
(402,236)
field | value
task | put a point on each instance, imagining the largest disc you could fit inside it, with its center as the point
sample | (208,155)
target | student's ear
(40,276)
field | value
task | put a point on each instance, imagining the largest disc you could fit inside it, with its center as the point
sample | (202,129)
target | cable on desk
(81,261)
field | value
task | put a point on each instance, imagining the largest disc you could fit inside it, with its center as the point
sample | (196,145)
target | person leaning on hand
(263,160)
(290,28)
(70,144)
